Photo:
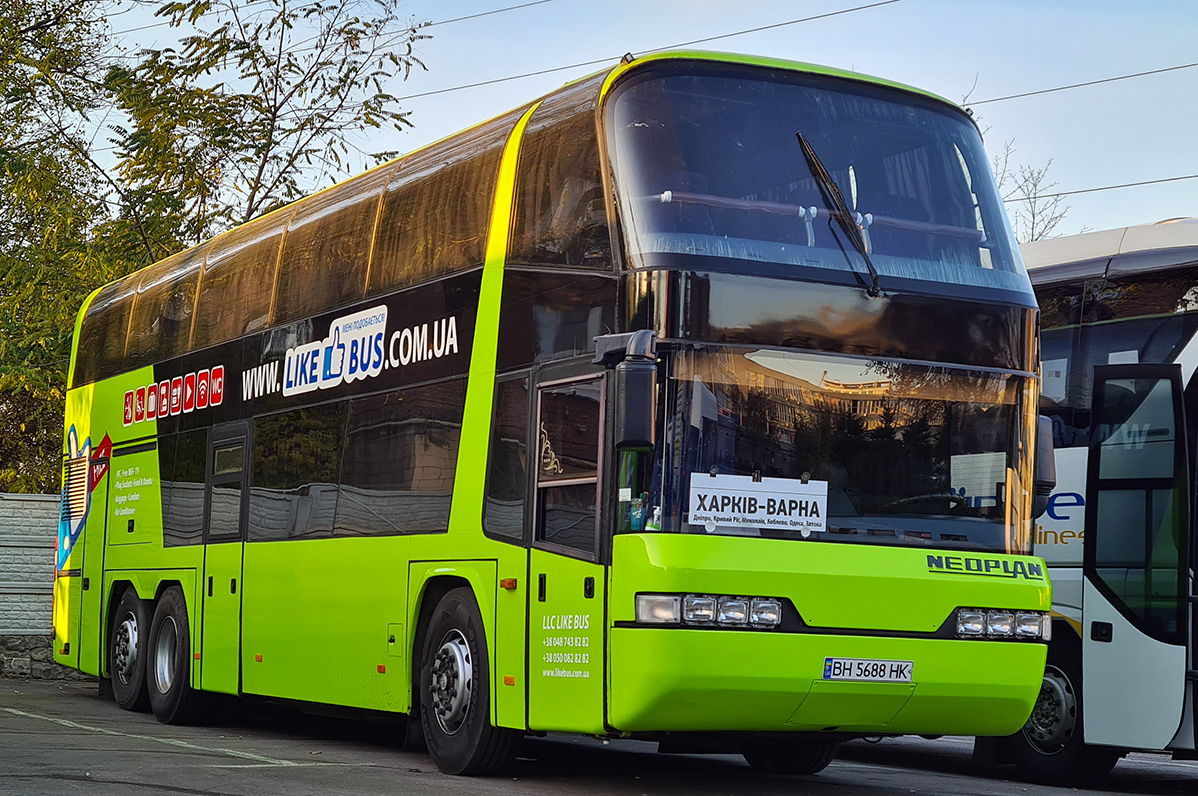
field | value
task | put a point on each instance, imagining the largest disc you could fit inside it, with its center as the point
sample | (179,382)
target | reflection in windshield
(707,164)
(910,454)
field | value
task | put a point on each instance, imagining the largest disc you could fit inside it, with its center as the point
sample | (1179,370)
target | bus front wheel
(800,756)
(1050,748)
(455,691)
(127,643)
(172,698)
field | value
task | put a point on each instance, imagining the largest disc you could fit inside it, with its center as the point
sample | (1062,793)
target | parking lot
(59,738)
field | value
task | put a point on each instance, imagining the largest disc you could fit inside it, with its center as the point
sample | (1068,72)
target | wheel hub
(124,650)
(1054,718)
(164,655)
(452,682)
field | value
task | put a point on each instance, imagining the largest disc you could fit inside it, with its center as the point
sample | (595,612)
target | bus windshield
(710,163)
(909,454)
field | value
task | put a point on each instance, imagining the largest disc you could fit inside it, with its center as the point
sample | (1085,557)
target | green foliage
(256,105)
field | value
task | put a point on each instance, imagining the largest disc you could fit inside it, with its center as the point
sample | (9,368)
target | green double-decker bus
(694,402)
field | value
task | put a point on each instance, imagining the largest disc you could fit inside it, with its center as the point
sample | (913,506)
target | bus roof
(1112,251)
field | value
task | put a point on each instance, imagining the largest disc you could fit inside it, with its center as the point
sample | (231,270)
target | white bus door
(1136,586)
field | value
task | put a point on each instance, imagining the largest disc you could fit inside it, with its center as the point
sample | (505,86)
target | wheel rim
(1054,718)
(124,650)
(164,655)
(452,682)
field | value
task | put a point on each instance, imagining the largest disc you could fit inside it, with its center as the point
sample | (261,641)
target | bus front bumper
(679,680)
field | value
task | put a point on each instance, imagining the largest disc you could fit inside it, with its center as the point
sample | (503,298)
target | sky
(1127,131)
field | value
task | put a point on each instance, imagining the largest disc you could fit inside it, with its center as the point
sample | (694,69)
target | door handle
(1101,631)
(588,588)
(232,585)
(541,587)
(209,586)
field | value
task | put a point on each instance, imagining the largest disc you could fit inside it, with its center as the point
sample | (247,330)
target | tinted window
(237,282)
(181,458)
(327,247)
(400,460)
(567,461)
(296,462)
(560,213)
(436,209)
(162,312)
(102,335)
(507,476)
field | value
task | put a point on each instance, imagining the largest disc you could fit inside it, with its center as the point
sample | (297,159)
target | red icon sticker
(129,408)
(217,390)
(176,395)
(151,402)
(202,389)
(139,405)
(189,392)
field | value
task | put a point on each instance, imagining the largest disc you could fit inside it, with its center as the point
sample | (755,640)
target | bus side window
(507,473)
(166,295)
(326,250)
(182,460)
(567,460)
(436,208)
(103,333)
(296,466)
(401,455)
(561,217)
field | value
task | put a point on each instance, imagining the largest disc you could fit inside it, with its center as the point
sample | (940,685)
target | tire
(799,756)
(168,670)
(455,689)
(1050,748)
(128,641)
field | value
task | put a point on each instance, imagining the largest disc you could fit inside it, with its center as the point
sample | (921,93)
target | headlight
(765,613)
(733,611)
(658,609)
(709,611)
(1000,623)
(698,609)
(1028,625)
(971,623)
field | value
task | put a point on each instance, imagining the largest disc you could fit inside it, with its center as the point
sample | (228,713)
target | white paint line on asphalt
(169,741)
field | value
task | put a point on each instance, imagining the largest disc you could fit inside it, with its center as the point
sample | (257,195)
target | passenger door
(566,666)
(1136,577)
(224,532)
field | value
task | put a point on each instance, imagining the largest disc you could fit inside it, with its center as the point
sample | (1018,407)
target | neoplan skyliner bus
(692,402)
(1119,315)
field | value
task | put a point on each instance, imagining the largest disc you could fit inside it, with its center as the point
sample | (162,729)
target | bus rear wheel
(1051,749)
(454,688)
(127,643)
(799,756)
(172,698)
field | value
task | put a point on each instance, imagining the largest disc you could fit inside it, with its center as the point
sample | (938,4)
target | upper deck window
(708,162)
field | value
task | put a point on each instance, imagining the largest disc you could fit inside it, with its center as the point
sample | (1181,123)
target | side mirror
(1045,472)
(633,357)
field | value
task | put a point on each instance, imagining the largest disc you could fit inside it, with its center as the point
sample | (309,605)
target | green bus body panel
(221,628)
(319,613)
(709,679)
(565,646)
(832,585)
(678,680)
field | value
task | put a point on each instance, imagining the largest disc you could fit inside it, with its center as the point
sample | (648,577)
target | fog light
(697,609)
(658,609)
(733,611)
(1000,623)
(971,623)
(1028,625)
(765,613)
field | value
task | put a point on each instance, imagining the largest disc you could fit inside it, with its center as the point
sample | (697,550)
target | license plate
(873,671)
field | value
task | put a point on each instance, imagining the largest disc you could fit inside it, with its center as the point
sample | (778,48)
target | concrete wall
(28,527)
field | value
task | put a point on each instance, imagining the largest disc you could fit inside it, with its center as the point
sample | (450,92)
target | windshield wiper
(840,209)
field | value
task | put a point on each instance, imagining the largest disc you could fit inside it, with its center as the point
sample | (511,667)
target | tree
(255,105)
(1035,211)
